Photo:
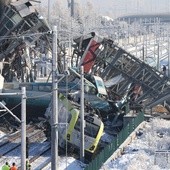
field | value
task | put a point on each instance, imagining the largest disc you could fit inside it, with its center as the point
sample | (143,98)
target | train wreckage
(114,79)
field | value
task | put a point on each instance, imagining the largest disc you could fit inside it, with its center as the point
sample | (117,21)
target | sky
(115,8)
(121,7)
(140,154)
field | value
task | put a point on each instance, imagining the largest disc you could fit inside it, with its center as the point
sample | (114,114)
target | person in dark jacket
(164,70)
(27,147)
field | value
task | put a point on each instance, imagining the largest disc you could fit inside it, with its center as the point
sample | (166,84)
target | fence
(98,161)
(162,158)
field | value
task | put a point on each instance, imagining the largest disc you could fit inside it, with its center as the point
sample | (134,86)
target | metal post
(146,47)
(54,116)
(72,8)
(143,53)
(158,59)
(23,129)
(168,56)
(49,4)
(82,115)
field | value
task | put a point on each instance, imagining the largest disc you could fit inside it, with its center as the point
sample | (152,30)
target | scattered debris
(160,109)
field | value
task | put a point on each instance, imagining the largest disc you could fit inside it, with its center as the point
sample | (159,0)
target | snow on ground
(140,154)
(65,163)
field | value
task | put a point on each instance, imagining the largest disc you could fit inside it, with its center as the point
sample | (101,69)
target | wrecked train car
(21,28)
(24,36)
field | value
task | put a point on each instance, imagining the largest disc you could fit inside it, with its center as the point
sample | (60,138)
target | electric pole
(82,115)
(23,129)
(49,4)
(54,116)
(72,8)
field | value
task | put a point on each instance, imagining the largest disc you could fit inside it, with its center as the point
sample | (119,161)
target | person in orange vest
(6,166)
(13,167)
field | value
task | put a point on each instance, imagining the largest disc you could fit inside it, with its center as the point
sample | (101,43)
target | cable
(73,86)
(40,96)
(10,109)
(47,94)
(22,36)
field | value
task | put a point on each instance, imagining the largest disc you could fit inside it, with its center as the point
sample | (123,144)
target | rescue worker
(13,167)
(6,166)
(28,165)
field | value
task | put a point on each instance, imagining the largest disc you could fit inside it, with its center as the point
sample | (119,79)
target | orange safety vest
(13,168)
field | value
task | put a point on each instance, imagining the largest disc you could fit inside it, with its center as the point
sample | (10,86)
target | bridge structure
(124,72)
(146,18)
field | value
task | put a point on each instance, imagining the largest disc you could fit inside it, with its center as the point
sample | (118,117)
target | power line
(23,36)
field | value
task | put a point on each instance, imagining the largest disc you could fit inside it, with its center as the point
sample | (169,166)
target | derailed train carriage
(69,126)
(93,129)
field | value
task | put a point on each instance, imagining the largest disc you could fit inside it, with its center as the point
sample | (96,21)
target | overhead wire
(66,87)
(23,35)
(11,109)
(17,36)
(50,93)
(40,96)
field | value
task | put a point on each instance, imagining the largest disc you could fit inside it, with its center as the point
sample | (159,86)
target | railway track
(10,145)
(39,147)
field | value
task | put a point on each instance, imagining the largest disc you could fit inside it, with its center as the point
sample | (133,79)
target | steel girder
(144,83)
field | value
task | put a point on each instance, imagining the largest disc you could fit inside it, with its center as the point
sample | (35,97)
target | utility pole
(54,116)
(72,8)
(82,125)
(168,55)
(158,57)
(143,53)
(49,7)
(23,129)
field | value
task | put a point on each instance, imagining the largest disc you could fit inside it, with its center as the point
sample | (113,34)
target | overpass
(146,18)
(123,72)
